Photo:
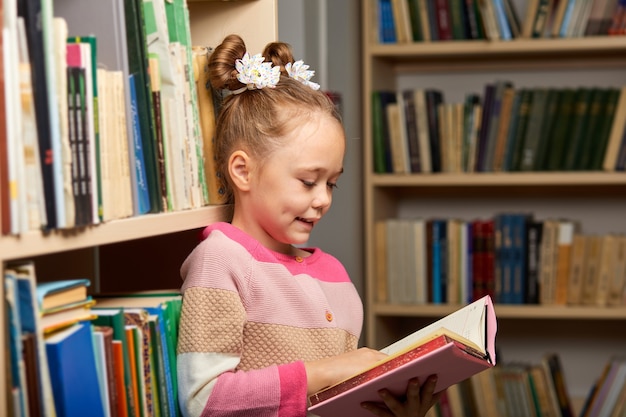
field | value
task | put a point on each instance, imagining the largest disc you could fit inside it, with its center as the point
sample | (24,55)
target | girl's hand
(328,371)
(416,404)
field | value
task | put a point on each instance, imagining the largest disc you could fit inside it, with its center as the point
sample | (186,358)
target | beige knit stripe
(210,321)
(269,344)
(218,318)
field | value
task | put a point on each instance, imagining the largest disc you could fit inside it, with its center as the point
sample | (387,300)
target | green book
(92,41)
(547,131)
(159,383)
(457,19)
(580,119)
(597,105)
(536,119)
(138,67)
(560,132)
(378,134)
(114,318)
(604,130)
(201,175)
(416,21)
(517,144)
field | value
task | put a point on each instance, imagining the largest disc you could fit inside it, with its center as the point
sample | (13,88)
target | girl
(264,322)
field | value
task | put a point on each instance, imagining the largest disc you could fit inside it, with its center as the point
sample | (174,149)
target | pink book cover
(74,57)
(452,361)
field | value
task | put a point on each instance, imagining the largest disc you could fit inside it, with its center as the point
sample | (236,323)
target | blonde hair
(258,120)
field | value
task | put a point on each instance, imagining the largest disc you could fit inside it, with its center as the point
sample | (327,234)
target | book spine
(141,183)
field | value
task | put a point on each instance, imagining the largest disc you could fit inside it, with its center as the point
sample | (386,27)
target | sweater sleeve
(205,390)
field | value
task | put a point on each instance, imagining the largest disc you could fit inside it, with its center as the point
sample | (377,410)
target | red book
(444,22)
(436,349)
(483,266)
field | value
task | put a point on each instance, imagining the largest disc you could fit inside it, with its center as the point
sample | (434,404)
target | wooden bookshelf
(210,22)
(601,196)
(505,312)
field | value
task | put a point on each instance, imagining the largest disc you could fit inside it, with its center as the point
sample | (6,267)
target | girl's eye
(331,185)
(308,183)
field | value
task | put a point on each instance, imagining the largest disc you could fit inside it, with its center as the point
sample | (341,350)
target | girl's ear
(239,165)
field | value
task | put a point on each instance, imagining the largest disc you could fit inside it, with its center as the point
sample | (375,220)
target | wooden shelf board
(148,225)
(415,50)
(508,311)
(501,179)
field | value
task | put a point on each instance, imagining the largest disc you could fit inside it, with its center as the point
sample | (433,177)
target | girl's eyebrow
(317,169)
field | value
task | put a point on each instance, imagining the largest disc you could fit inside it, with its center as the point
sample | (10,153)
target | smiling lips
(307,221)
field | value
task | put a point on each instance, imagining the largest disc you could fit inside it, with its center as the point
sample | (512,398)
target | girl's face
(292,190)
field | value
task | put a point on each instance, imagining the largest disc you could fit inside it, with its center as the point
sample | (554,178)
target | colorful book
(436,349)
(114,318)
(166,305)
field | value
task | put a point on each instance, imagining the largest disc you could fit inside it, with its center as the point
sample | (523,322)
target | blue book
(72,365)
(141,183)
(519,257)
(386,24)
(503,251)
(30,328)
(18,366)
(567,17)
(503,22)
(440,265)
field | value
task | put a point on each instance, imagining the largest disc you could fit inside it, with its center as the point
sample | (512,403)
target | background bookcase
(143,252)
(584,337)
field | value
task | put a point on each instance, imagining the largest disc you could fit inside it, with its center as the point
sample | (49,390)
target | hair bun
(222,72)
(279,53)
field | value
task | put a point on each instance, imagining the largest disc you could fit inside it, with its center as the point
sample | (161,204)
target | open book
(454,348)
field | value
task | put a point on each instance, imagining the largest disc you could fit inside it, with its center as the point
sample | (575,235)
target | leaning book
(454,348)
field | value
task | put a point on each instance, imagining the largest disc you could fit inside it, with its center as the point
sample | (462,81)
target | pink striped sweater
(250,319)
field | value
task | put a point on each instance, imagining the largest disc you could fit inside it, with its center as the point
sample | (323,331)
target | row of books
(512,389)
(108,114)
(512,257)
(503,130)
(403,21)
(607,396)
(72,354)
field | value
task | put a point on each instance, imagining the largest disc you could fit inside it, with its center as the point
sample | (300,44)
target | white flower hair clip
(255,73)
(299,71)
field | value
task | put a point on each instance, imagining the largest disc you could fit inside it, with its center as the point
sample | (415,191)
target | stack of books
(64,303)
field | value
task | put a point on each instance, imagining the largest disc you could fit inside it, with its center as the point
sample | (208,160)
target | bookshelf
(584,336)
(153,239)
